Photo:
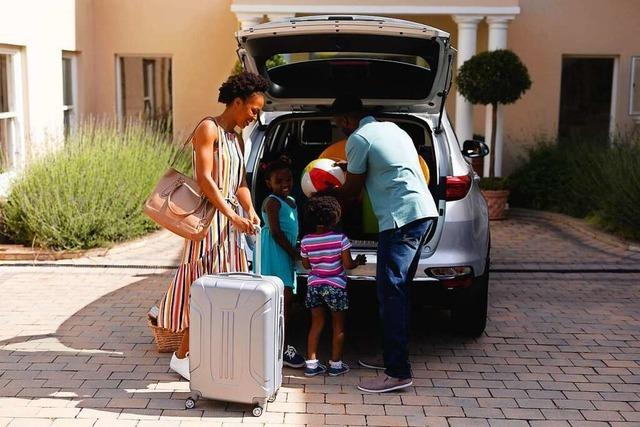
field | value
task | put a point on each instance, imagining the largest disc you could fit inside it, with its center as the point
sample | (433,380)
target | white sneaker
(181,366)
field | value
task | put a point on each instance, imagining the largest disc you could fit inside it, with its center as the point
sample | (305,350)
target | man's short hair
(346,104)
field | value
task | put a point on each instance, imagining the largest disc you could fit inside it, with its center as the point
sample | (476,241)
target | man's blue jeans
(398,255)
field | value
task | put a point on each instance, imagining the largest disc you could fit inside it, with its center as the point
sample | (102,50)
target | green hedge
(600,182)
(89,193)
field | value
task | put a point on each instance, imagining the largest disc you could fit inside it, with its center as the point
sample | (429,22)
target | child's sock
(335,365)
(312,363)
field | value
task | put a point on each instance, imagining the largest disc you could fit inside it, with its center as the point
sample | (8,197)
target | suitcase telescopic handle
(257,268)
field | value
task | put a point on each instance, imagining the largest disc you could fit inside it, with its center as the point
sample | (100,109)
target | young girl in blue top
(279,237)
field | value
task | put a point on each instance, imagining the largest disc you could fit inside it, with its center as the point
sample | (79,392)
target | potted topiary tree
(492,78)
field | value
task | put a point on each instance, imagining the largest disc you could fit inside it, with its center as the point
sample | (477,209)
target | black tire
(469,315)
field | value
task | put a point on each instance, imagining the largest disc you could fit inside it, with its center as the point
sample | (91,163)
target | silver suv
(402,71)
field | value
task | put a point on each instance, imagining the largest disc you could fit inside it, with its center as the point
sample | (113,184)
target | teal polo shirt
(395,183)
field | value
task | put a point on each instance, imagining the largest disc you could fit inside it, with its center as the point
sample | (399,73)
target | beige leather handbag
(177,203)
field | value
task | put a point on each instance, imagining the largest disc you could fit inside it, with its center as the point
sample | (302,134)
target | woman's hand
(254,218)
(242,224)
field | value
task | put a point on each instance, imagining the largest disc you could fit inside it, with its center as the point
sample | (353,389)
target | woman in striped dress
(220,174)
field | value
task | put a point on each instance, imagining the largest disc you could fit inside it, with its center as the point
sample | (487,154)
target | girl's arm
(272,208)
(350,263)
(306,264)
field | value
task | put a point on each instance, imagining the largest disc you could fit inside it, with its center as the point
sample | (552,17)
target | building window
(587,104)
(634,99)
(69,92)
(144,89)
(149,83)
(10,109)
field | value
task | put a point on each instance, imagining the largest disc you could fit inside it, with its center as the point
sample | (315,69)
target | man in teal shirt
(382,158)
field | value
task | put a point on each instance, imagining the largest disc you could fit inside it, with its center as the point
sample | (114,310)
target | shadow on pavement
(105,359)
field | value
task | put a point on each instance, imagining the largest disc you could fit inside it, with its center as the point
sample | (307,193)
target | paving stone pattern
(559,349)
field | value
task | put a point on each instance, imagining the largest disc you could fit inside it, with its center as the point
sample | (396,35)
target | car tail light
(452,277)
(457,187)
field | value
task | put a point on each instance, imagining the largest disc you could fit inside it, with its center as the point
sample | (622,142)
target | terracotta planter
(497,202)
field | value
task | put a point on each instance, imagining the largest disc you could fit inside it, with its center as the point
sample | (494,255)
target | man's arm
(352,187)
(357,156)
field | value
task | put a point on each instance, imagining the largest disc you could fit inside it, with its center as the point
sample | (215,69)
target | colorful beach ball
(321,174)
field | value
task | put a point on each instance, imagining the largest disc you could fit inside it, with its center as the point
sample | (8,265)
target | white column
(498,25)
(467,38)
(248,20)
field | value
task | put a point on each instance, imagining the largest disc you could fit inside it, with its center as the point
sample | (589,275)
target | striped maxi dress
(219,251)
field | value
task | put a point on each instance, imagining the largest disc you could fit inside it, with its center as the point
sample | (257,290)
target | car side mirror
(474,149)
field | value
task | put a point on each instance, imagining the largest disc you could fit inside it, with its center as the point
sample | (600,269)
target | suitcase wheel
(273,398)
(190,403)
(257,411)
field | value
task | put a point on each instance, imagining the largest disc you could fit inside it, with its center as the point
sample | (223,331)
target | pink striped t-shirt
(324,252)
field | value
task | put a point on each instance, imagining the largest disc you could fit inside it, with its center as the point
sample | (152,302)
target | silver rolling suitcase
(236,338)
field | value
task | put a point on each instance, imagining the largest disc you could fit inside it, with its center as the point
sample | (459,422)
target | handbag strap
(184,145)
(219,150)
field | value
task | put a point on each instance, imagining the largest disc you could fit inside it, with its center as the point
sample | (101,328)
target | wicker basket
(166,340)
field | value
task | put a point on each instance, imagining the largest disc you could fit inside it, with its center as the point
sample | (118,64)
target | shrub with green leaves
(90,192)
(600,182)
(494,184)
(544,182)
(619,207)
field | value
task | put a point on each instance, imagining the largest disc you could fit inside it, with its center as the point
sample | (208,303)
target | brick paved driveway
(560,348)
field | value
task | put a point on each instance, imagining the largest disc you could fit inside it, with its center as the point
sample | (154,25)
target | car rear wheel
(469,315)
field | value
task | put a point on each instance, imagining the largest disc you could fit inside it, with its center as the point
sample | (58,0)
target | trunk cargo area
(303,137)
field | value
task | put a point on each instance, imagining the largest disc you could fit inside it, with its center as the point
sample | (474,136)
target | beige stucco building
(62,60)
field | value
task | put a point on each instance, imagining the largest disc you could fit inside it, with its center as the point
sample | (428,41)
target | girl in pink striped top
(326,253)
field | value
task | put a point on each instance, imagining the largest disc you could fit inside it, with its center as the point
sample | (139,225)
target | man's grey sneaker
(320,369)
(383,384)
(292,359)
(334,372)
(373,363)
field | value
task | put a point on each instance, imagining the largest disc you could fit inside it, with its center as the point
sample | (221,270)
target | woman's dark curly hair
(323,210)
(241,85)
(274,166)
